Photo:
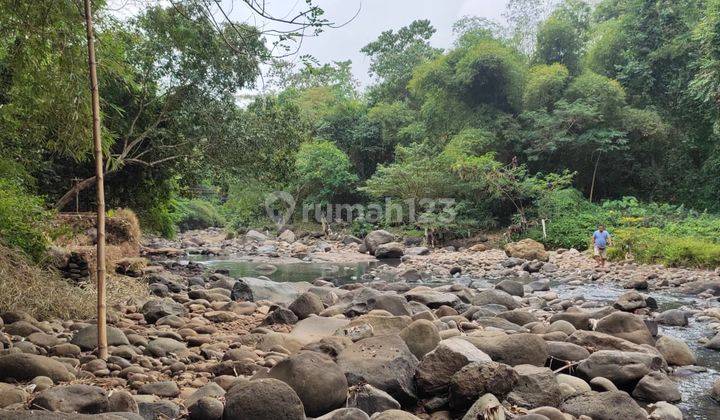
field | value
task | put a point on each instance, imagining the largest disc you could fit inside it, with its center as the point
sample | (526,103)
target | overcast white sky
(379,15)
(374,17)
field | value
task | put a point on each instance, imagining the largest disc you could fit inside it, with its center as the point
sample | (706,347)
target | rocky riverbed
(469,333)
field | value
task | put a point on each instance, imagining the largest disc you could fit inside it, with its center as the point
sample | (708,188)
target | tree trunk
(592,185)
(68,196)
(97,144)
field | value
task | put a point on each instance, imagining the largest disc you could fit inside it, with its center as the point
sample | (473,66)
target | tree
(558,42)
(394,55)
(177,64)
(524,17)
(545,86)
(323,172)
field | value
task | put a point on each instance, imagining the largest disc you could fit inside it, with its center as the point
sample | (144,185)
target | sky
(373,17)
(376,16)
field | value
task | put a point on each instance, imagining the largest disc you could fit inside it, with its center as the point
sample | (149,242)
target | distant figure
(601,240)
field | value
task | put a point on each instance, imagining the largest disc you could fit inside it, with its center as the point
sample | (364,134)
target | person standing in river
(601,240)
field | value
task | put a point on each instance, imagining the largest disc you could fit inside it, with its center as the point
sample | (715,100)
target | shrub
(197,214)
(22,217)
(245,205)
(570,219)
(655,246)
(160,219)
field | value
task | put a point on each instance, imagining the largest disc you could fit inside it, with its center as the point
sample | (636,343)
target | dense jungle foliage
(575,112)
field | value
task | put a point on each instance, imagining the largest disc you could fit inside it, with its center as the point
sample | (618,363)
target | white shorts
(600,252)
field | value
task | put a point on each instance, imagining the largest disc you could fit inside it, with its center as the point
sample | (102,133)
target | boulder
(76,398)
(395,304)
(10,395)
(253,289)
(656,386)
(122,401)
(536,387)
(384,362)
(263,399)
(287,235)
(161,409)
(167,389)
(513,350)
(511,287)
(676,352)
(306,304)
(376,238)
(280,316)
(622,368)
(348,413)
(24,367)
(662,410)
(432,298)
(206,408)
(630,301)
(86,338)
(486,407)
(567,352)
(370,399)
(155,309)
(317,380)
(316,328)
(437,367)
(495,297)
(626,326)
(674,317)
(389,250)
(162,346)
(611,405)
(394,415)
(421,337)
(527,249)
(478,378)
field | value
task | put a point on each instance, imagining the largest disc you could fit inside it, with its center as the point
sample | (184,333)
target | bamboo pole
(97,144)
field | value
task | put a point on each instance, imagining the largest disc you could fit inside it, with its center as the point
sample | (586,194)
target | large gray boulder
(514,349)
(254,289)
(371,400)
(432,298)
(263,399)
(155,309)
(437,367)
(656,386)
(421,337)
(376,238)
(536,387)
(384,362)
(674,317)
(162,346)
(75,398)
(626,326)
(676,352)
(495,297)
(389,250)
(306,304)
(24,367)
(622,368)
(316,379)
(479,378)
(610,405)
(86,338)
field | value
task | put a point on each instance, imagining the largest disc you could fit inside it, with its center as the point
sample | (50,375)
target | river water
(694,386)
